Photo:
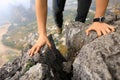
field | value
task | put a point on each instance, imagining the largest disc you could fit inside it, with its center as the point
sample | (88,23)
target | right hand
(100,28)
(42,40)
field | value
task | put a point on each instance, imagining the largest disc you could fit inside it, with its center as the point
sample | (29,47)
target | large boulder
(76,36)
(99,60)
(38,72)
(93,58)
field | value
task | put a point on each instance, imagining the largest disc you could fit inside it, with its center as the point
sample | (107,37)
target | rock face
(88,58)
(97,58)
(45,65)
(37,72)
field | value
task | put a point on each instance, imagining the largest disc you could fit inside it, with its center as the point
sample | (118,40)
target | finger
(38,47)
(49,44)
(98,32)
(32,51)
(112,28)
(107,30)
(103,31)
(37,50)
(88,31)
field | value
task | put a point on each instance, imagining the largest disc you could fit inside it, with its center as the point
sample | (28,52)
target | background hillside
(24,22)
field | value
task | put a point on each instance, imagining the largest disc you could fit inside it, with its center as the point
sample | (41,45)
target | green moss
(63,49)
(29,64)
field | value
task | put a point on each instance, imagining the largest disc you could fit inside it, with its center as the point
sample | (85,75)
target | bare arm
(100,28)
(41,14)
(101,6)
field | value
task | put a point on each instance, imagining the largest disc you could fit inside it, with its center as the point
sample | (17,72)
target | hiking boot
(59,30)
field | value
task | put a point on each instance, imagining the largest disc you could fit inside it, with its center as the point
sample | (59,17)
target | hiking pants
(82,11)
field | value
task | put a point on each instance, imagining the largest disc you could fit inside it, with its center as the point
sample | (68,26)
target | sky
(5,7)
(6,3)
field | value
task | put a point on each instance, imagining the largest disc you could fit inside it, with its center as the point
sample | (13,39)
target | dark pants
(82,11)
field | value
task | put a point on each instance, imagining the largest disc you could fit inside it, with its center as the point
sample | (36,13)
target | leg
(82,10)
(58,8)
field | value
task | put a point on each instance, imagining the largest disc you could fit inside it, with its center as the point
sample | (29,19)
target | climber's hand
(42,40)
(100,28)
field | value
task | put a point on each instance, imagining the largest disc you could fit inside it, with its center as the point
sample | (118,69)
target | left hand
(42,40)
(100,28)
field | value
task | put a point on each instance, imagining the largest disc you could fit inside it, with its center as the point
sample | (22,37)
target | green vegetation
(11,55)
(28,65)
(15,36)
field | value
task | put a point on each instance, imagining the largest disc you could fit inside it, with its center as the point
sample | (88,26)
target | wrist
(42,30)
(96,22)
(42,33)
(98,15)
(99,19)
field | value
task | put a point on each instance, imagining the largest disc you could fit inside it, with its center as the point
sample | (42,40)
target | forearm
(99,27)
(41,15)
(101,6)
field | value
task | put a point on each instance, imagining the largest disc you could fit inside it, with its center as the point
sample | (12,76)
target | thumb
(87,31)
(49,44)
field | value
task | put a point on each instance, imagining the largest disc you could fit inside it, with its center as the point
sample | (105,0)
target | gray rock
(38,72)
(76,38)
(54,59)
(49,62)
(89,57)
(9,69)
(15,77)
(97,58)
(113,63)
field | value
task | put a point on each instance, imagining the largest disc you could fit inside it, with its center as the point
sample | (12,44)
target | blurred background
(18,26)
